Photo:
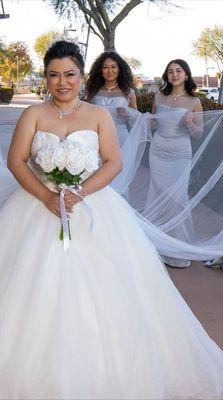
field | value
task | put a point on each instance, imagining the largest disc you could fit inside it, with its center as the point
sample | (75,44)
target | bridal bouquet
(66,164)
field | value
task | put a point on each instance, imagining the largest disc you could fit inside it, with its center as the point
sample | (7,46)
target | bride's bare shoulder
(35,110)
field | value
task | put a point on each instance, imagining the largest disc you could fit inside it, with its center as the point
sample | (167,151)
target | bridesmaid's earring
(186,78)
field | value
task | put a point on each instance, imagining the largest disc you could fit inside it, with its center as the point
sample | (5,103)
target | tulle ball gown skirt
(102,321)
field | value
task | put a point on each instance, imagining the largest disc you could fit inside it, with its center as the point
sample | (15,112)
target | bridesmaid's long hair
(95,80)
(190,85)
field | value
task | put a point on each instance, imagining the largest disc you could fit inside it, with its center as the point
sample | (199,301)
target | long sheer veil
(185,220)
(8,184)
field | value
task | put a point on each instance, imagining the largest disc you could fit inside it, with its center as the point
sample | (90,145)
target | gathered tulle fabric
(172,179)
(102,321)
(175,181)
(7,182)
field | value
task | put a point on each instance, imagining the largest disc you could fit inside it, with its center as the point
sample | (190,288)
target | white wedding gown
(103,321)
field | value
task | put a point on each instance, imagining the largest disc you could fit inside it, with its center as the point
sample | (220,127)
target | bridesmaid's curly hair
(95,80)
(190,85)
(64,49)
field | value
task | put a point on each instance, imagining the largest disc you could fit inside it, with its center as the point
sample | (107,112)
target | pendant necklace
(177,95)
(109,88)
(63,114)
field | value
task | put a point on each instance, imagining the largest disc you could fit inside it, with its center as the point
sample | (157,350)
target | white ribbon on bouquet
(64,219)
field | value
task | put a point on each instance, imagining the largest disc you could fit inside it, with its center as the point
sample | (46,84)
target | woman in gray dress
(171,151)
(110,84)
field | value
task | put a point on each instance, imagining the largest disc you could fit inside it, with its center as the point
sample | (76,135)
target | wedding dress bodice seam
(67,136)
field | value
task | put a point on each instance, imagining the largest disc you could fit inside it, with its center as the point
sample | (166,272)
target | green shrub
(145,101)
(6,94)
(208,104)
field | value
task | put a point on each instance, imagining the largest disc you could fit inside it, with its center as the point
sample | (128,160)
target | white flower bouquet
(65,164)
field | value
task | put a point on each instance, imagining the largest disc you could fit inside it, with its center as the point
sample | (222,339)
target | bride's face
(176,75)
(63,79)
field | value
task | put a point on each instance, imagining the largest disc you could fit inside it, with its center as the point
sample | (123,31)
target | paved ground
(201,287)
(9,115)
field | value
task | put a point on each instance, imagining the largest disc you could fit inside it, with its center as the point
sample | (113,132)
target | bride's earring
(186,78)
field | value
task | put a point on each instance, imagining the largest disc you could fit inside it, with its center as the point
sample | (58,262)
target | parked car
(210,93)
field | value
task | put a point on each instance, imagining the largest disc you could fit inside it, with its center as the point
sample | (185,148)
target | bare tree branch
(125,11)
(103,13)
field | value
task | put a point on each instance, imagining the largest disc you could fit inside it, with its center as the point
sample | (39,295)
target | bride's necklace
(109,88)
(63,114)
(175,96)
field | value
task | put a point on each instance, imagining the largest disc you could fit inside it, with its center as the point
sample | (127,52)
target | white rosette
(74,159)
(45,157)
(91,160)
(59,156)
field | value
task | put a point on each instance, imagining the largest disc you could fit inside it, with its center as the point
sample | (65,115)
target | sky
(154,37)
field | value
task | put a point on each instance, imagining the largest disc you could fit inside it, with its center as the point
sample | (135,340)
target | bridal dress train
(174,179)
(101,321)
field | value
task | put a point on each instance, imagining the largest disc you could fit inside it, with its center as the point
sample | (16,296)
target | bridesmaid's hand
(189,119)
(122,111)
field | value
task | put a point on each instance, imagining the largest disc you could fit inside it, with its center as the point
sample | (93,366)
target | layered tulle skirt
(102,321)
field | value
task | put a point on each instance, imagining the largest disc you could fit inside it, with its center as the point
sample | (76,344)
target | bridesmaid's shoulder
(196,103)
(196,100)
(159,95)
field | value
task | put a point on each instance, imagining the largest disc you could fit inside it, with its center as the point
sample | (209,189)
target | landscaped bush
(209,104)
(145,101)
(6,94)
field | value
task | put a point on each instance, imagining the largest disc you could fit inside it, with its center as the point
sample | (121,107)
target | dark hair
(95,78)
(190,85)
(62,49)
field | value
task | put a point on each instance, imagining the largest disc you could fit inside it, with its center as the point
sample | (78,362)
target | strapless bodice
(171,121)
(86,138)
(112,101)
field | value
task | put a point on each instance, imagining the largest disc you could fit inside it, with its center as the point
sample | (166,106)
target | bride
(101,320)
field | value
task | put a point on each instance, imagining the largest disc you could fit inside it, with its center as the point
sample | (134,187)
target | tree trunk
(109,40)
(220,98)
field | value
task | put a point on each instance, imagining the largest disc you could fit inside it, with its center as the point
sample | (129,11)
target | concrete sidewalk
(9,115)
(201,287)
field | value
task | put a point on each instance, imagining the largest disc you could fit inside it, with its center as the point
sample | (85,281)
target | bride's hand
(52,202)
(70,200)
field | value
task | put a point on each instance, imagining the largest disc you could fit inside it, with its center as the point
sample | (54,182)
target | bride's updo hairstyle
(64,49)
(190,85)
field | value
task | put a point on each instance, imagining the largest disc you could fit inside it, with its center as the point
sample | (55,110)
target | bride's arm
(18,157)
